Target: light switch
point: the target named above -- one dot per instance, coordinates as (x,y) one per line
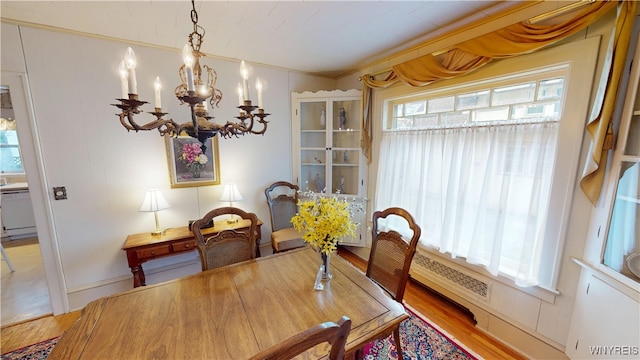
(60,193)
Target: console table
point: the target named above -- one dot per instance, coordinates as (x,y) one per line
(144,246)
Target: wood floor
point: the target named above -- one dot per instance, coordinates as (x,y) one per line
(24,292)
(454,320)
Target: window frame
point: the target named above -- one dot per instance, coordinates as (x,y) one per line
(581,56)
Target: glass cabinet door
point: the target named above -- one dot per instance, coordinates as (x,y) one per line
(345,147)
(313,145)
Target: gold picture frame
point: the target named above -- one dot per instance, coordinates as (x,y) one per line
(187,166)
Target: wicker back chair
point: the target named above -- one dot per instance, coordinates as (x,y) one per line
(334,333)
(228,246)
(282,198)
(390,257)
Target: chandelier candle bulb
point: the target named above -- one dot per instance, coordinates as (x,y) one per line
(245,79)
(130,62)
(240,98)
(124,87)
(187,57)
(259,89)
(156,87)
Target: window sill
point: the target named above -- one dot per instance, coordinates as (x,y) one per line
(614,279)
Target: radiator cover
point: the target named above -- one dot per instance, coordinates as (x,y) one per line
(447,276)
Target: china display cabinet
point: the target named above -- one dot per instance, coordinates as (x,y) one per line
(326,141)
(326,146)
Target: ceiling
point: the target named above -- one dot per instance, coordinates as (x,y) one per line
(327,38)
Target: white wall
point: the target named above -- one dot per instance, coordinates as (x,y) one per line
(73,80)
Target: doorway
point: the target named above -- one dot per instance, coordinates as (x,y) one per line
(25,293)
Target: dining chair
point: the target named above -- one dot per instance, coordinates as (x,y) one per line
(331,332)
(390,256)
(227,246)
(282,198)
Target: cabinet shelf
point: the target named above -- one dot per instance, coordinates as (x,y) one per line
(346,131)
(345,165)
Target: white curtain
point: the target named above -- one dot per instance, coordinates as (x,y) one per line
(477,192)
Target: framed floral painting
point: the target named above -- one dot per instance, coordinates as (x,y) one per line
(189,165)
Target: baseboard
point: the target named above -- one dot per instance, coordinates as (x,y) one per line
(80,296)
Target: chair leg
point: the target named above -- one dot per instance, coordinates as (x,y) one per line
(6,258)
(396,338)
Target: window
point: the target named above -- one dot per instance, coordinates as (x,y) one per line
(487,167)
(10,159)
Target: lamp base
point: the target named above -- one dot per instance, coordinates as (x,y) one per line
(158,232)
(232,221)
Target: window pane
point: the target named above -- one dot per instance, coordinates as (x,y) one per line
(633,137)
(624,229)
(551,89)
(415,108)
(472,100)
(10,161)
(548,111)
(513,94)
(8,137)
(492,114)
(455,117)
(398,110)
(426,121)
(402,123)
(441,104)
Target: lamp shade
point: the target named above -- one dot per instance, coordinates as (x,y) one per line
(154,201)
(231,193)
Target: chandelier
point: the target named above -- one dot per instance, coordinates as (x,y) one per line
(197,87)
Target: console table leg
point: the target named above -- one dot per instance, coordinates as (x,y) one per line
(138,276)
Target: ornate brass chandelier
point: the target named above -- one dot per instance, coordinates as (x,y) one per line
(193,91)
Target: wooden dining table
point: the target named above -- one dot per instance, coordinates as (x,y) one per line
(232,312)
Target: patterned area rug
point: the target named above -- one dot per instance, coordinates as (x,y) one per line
(36,351)
(420,340)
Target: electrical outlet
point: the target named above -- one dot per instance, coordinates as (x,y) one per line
(60,193)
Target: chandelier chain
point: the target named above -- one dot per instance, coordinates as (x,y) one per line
(197,36)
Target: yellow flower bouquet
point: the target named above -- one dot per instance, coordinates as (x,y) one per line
(323,219)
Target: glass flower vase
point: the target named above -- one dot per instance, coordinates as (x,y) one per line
(326,263)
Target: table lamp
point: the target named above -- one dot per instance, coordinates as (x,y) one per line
(154,201)
(231,194)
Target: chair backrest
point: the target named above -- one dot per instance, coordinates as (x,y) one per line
(228,246)
(334,333)
(282,198)
(390,257)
